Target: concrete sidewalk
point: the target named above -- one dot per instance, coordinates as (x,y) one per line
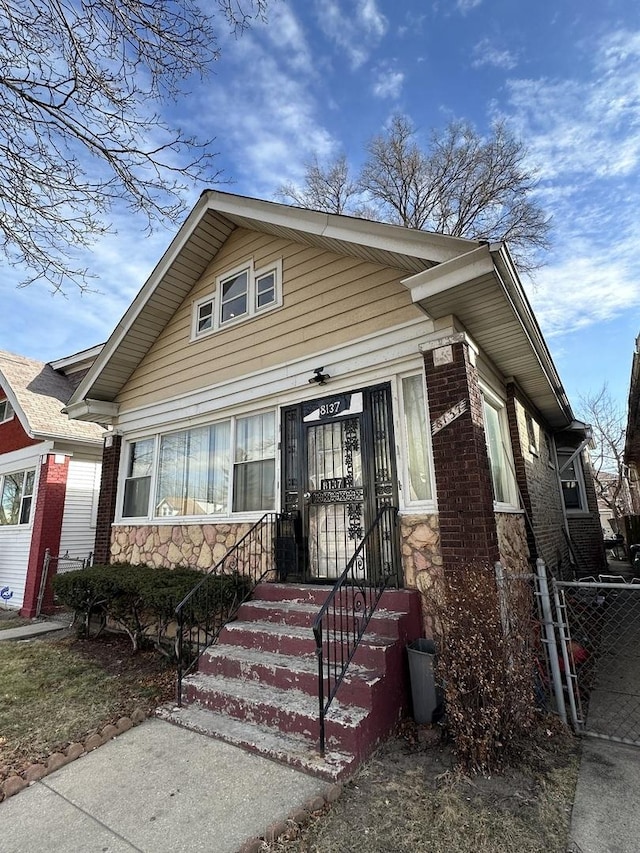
(157,788)
(606,813)
(34,629)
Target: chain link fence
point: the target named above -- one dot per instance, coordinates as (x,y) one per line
(59,565)
(599,628)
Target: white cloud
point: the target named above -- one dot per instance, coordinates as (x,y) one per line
(590,127)
(355,34)
(268,111)
(285,33)
(465,6)
(388,83)
(583,135)
(485,53)
(372,18)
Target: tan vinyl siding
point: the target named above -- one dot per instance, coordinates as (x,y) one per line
(328,300)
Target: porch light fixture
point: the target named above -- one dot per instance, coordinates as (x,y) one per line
(319,377)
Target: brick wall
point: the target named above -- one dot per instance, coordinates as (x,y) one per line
(541,495)
(107,498)
(538,483)
(47,523)
(461,464)
(585,529)
(13,437)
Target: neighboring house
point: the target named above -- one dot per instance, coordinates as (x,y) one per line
(632,449)
(49,473)
(324,367)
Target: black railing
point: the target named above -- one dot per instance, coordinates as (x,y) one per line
(216,599)
(344,616)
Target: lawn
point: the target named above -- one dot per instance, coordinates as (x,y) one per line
(57,691)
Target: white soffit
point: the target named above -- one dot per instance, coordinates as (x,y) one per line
(498,318)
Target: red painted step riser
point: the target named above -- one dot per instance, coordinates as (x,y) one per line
(352,692)
(383,626)
(370,656)
(401,601)
(354,739)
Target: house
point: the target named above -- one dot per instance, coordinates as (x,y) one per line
(325,368)
(632,449)
(49,474)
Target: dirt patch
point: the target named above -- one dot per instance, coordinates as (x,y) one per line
(409,797)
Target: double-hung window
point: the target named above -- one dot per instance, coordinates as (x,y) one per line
(254,463)
(137,485)
(497,437)
(241,293)
(572,481)
(16,497)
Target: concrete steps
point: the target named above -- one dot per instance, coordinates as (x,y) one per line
(258,686)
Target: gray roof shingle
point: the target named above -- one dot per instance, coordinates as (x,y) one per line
(41,392)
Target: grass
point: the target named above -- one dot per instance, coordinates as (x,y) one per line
(10,619)
(54,692)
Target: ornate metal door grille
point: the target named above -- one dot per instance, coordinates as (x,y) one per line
(338,466)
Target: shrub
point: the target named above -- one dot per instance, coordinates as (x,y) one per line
(141,600)
(485,664)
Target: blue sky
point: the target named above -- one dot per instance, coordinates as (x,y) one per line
(323,76)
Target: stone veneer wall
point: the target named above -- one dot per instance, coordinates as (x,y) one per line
(512,543)
(172,545)
(421,558)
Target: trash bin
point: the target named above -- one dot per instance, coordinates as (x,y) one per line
(423,686)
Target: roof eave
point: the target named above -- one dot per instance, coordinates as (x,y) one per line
(449,290)
(94,411)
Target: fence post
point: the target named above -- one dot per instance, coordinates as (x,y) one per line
(550,637)
(43,580)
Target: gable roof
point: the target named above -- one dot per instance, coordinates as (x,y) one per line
(37,393)
(445,275)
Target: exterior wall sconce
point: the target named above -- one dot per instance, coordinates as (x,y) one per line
(319,377)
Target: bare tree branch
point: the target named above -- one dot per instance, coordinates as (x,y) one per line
(608,422)
(81,82)
(327,188)
(461,184)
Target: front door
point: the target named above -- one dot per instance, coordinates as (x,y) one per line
(338,470)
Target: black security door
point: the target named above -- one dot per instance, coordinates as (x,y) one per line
(338,470)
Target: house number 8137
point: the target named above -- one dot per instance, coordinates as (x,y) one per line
(329,408)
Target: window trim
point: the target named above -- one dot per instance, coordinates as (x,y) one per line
(8,413)
(253,310)
(578,469)
(490,398)
(228,514)
(31,496)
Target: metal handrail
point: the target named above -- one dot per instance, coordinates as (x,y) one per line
(209,606)
(345,615)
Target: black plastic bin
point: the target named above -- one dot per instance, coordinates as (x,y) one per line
(424,694)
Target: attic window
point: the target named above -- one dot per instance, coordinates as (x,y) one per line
(6,411)
(241,294)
